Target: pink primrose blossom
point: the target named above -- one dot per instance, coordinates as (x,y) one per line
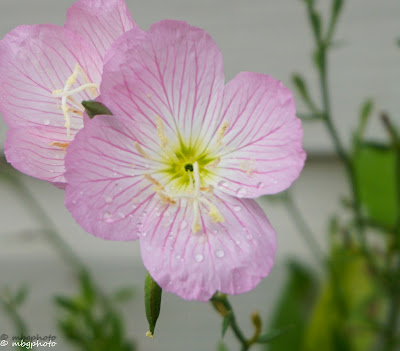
(45,73)
(178,163)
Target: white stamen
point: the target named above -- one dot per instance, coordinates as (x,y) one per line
(66,94)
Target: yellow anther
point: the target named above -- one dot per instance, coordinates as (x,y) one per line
(160,131)
(221,131)
(207,189)
(196,227)
(149,334)
(215,215)
(154,181)
(60,145)
(141,151)
(213,164)
(248,166)
(165,198)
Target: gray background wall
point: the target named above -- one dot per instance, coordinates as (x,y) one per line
(258,35)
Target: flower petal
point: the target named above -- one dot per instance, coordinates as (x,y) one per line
(173,72)
(262,152)
(35,61)
(38,151)
(100,22)
(106,191)
(231,257)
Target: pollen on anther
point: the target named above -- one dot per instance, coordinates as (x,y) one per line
(160,131)
(221,131)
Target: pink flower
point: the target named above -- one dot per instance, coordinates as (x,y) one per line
(45,73)
(177,163)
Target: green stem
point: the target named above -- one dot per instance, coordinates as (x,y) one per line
(227,307)
(304,229)
(51,233)
(16,318)
(49,228)
(392,321)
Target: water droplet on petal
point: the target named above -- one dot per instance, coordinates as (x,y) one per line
(249,237)
(241,192)
(237,242)
(178,257)
(260,185)
(222,184)
(183,225)
(46,122)
(199,257)
(108,217)
(237,208)
(121,215)
(108,199)
(220,253)
(143,233)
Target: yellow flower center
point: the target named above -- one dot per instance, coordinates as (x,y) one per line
(186,173)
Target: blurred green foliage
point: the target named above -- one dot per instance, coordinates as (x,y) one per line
(90,322)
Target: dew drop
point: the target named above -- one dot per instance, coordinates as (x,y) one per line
(222,184)
(144,233)
(199,257)
(220,253)
(241,192)
(237,242)
(46,122)
(183,225)
(121,215)
(260,185)
(108,217)
(108,199)
(178,257)
(249,237)
(237,208)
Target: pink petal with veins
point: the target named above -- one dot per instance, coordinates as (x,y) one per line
(35,61)
(231,257)
(262,148)
(106,191)
(30,150)
(100,22)
(174,71)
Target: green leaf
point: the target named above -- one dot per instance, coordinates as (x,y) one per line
(124,294)
(302,89)
(21,295)
(272,335)
(226,322)
(315,20)
(94,108)
(87,288)
(349,289)
(375,172)
(222,347)
(293,307)
(152,302)
(337,8)
(68,304)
